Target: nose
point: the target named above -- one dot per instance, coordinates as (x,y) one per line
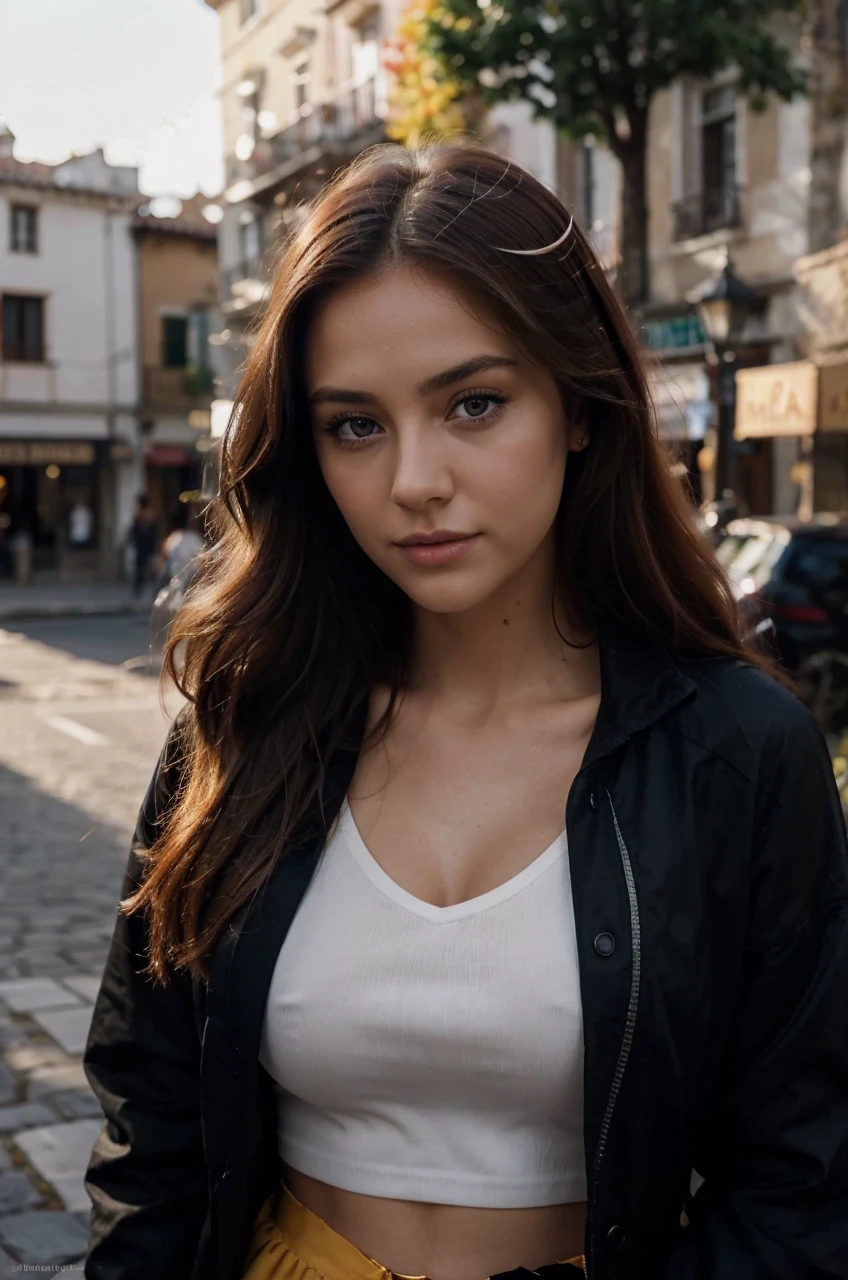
(422,473)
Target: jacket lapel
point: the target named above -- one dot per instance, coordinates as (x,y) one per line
(640,684)
(244,960)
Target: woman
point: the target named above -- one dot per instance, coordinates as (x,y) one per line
(485,888)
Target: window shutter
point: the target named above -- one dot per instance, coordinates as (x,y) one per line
(175,342)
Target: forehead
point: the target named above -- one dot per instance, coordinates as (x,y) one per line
(401,321)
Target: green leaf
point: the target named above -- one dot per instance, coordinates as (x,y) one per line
(603,56)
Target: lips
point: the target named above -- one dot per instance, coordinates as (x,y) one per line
(438,551)
(429,539)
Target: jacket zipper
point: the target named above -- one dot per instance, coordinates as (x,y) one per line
(633,1003)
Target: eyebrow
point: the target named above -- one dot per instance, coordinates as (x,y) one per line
(439,381)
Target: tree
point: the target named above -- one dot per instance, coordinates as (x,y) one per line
(423,100)
(594,66)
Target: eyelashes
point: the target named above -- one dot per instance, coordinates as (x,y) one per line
(495,399)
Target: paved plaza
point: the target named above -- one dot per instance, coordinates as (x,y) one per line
(81,727)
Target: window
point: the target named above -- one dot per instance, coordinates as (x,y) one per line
(719,140)
(365,58)
(199,328)
(250,239)
(249,9)
(201,378)
(250,97)
(301,91)
(175,342)
(586,184)
(23,328)
(23,228)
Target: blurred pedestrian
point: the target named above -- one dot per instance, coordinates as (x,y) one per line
(80,524)
(180,548)
(142,539)
(353,1023)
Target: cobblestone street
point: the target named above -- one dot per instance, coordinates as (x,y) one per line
(81,729)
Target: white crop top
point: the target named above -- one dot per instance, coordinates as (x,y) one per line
(430,1053)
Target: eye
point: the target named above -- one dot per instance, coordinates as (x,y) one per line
(359,429)
(479,405)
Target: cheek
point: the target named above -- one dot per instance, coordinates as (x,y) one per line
(522,479)
(352,488)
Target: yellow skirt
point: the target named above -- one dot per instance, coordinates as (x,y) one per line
(290,1242)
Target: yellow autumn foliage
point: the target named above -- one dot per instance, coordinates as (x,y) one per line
(423,101)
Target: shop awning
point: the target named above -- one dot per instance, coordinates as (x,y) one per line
(166,455)
(777,400)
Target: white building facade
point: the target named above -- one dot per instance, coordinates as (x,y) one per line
(69,381)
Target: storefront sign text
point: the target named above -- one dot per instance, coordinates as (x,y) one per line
(777,400)
(40,453)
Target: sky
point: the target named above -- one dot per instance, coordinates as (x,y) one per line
(136,76)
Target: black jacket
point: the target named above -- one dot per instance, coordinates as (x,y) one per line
(710,880)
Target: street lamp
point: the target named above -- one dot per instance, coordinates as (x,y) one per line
(723,304)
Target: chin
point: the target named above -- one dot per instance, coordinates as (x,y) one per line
(446,596)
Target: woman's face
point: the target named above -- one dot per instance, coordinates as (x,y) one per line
(427,419)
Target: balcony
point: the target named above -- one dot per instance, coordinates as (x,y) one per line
(316,132)
(716,209)
(245,284)
(177,389)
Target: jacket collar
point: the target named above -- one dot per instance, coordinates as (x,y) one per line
(640,683)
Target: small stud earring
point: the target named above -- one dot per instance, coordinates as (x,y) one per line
(580,442)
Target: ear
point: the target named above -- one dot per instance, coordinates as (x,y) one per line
(579,436)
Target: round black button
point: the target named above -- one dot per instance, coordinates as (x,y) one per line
(605,944)
(616,1237)
(593,804)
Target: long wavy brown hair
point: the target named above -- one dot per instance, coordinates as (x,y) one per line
(290,625)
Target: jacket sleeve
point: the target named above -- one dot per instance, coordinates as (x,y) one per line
(147,1177)
(774,1143)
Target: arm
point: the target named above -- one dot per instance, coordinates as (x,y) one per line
(147,1176)
(774,1144)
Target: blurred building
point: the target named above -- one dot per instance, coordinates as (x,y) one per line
(69,451)
(303,91)
(822,273)
(178,311)
(764,189)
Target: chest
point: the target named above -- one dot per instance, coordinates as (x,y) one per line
(452,811)
(422,1002)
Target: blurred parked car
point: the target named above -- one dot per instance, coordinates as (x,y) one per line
(714,517)
(795,574)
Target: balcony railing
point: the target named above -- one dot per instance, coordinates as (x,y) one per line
(334,126)
(246,280)
(177,387)
(716,209)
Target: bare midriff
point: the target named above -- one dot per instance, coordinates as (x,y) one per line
(443,1241)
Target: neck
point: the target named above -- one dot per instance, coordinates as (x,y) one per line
(515,645)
